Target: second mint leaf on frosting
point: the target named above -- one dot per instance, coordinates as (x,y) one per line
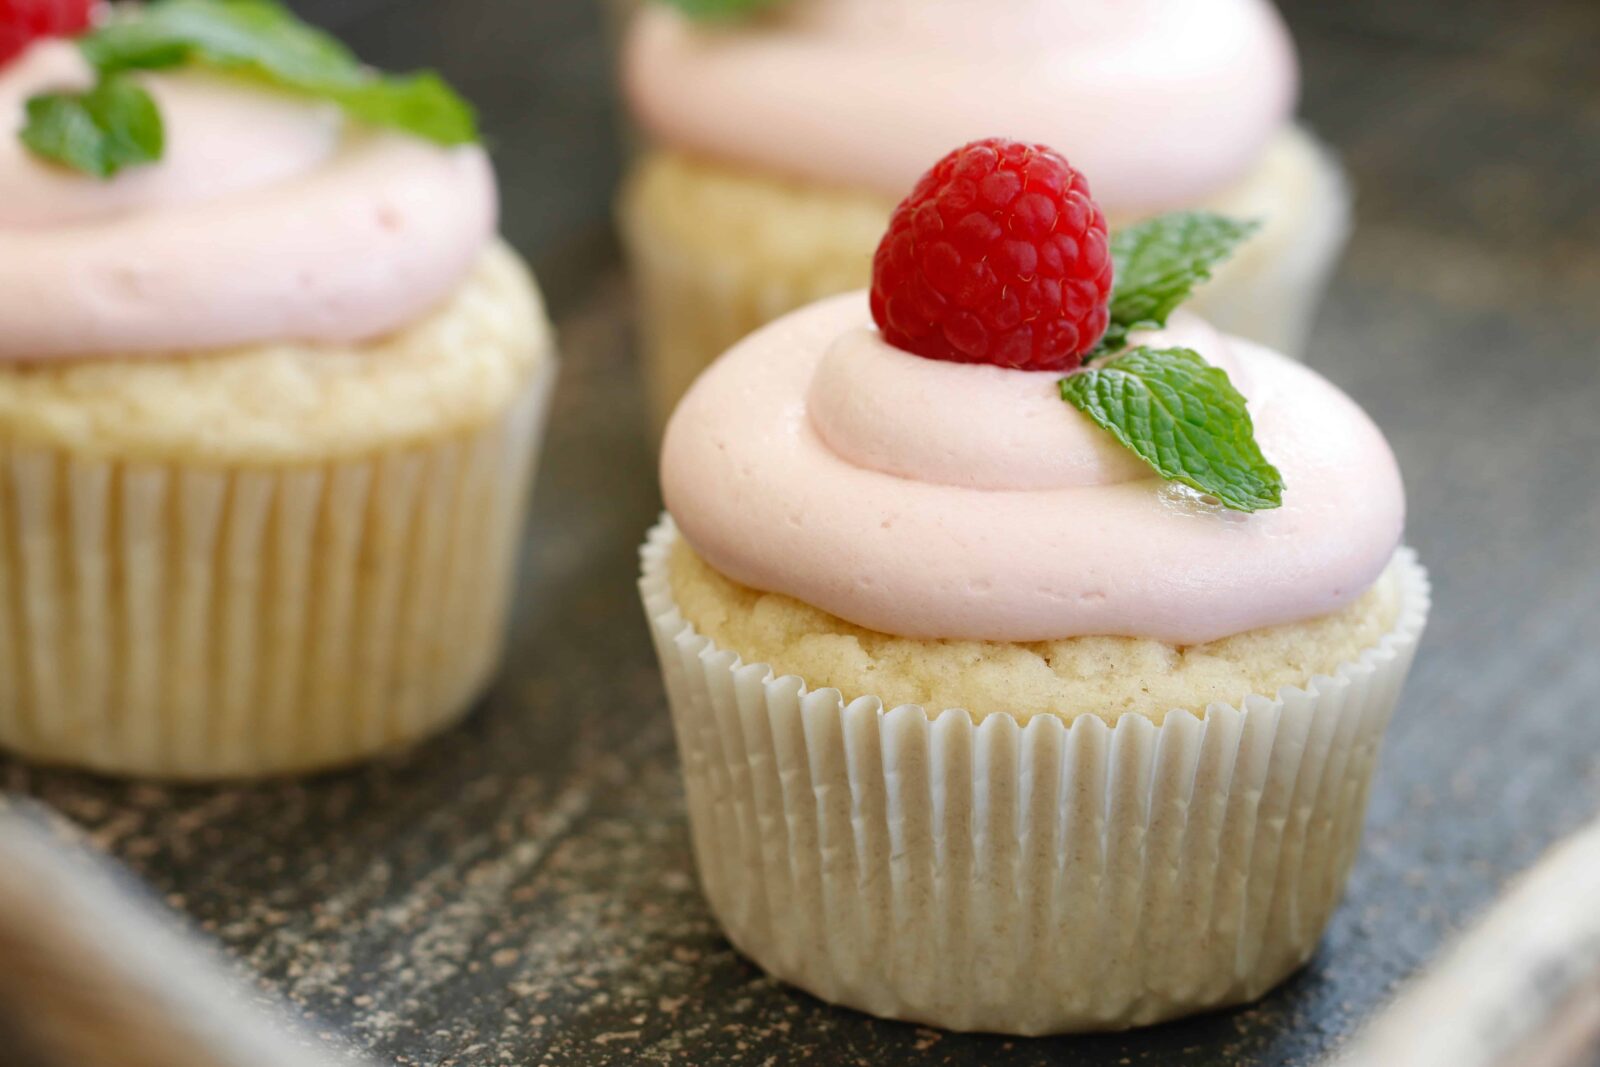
(101,131)
(1159,263)
(1184,418)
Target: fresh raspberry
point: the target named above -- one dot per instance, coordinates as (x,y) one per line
(24,21)
(998,256)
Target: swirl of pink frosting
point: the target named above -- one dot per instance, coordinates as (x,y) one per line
(1162,101)
(268,219)
(947,500)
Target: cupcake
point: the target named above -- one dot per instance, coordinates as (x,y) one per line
(781,139)
(1015,694)
(270,395)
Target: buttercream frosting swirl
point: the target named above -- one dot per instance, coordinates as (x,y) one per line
(1163,101)
(946,500)
(269,218)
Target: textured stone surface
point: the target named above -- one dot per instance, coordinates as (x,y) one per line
(520,891)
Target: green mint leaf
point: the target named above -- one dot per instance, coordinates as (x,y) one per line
(721,9)
(421,104)
(262,39)
(1183,417)
(1160,262)
(256,35)
(112,126)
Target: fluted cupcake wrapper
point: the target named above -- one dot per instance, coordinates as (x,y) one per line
(1022,877)
(190,621)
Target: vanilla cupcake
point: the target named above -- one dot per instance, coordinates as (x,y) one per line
(780,141)
(270,398)
(985,722)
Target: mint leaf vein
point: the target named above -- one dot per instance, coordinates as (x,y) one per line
(1184,418)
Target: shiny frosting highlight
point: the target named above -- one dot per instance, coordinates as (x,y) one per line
(946,500)
(269,219)
(1163,102)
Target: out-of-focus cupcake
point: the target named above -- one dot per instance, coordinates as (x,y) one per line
(1012,701)
(270,395)
(781,139)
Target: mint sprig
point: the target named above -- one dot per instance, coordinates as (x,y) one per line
(421,104)
(1169,406)
(1184,418)
(256,39)
(712,10)
(101,131)
(1160,262)
(259,37)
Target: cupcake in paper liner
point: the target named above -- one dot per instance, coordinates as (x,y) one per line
(270,396)
(997,709)
(779,142)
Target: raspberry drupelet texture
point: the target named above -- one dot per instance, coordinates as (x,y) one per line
(998,256)
(24,21)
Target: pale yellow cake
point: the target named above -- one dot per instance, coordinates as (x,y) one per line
(1104,676)
(453,371)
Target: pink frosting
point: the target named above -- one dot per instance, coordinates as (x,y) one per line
(946,500)
(267,220)
(1160,102)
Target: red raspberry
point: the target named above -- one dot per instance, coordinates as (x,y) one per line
(998,256)
(24,21)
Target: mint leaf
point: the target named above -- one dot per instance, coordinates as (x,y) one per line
(1159,263)
(262,39)
(112,126)
(258,36)
(421,104)
(116,124)
(721,9)
(1183,417)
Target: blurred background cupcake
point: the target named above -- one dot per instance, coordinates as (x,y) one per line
(270,391)
(781,135)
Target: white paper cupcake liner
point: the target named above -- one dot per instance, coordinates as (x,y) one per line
(1022,877)
(191,621)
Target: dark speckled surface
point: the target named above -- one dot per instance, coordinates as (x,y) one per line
(520,892)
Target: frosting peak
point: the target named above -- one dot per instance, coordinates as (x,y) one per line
(269,218)
(971,424)
(944,500)
(1162,102)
